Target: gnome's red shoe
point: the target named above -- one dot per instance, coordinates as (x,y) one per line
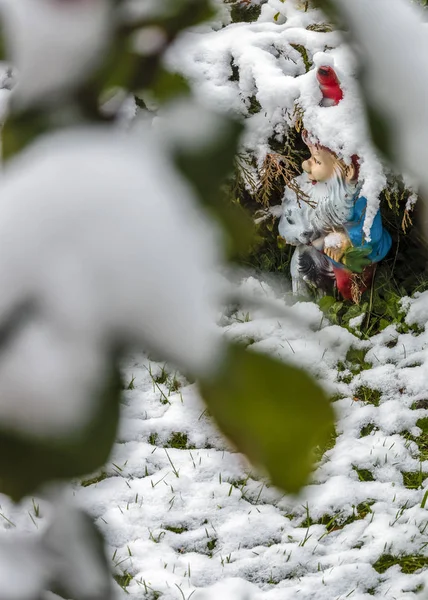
(352,285)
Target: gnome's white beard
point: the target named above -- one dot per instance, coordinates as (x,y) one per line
(333,201)
(328,206)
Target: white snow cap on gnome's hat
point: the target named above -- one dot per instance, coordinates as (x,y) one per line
(343,128)
(322,59)
(53,44)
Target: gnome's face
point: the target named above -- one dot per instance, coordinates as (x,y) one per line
(323,165)
(320,167)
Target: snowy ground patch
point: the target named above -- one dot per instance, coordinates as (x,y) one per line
(182,512)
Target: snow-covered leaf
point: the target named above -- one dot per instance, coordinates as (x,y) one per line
(144,32)
(20,129)
(111,252)
(23,573)
(207,163)
(203,144)
(53,44)
(169,85)
(27,463)
(272,412)
(77,561)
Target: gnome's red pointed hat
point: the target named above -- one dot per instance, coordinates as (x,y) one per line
(329,86)
(332,94)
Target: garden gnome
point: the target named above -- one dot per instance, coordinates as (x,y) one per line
(326,222)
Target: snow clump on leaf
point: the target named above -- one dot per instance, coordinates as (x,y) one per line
(53,44)
(110,251)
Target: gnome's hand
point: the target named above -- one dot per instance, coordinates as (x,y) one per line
(336,244)
(334,253)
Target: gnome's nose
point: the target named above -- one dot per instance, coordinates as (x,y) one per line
(306,166)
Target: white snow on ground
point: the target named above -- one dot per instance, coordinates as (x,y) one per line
(179,519)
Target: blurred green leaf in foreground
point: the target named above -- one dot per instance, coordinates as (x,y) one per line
(272,412)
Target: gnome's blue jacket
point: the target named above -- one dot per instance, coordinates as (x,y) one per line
(380,239)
